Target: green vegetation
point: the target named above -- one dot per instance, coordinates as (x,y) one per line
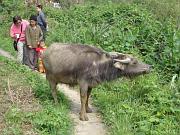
(142,106)
(30,103)
(147,105)
(123,28)
(148,29)
(163,9)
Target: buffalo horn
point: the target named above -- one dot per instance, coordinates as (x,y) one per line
(116,53)
(125,61)
(113,53)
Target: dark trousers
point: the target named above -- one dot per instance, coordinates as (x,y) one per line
(30,57)
(44,32)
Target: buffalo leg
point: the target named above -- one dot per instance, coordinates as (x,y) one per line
(54,91)
(83,96)
(88,110)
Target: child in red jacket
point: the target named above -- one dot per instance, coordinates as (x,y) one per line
(40,51)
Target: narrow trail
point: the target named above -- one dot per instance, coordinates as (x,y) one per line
(6,54)
(92,127)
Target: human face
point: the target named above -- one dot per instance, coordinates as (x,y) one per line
(42,44)
(32,23)
(18,23)
(38,9)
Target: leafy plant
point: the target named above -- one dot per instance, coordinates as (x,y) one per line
(122,28)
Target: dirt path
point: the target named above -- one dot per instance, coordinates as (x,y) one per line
(94,126)
(6,54)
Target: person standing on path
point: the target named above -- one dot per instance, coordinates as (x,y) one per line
(17,33)
(41,20)
(34,37)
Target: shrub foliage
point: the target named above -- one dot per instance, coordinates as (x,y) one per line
(123,28)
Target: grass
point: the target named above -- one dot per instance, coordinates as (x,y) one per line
(163,9)
(139,106)
(27,103)
(6,43)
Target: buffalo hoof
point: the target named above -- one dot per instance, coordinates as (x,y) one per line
(88,110)
(84,118)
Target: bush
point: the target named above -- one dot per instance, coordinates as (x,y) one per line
(123,28)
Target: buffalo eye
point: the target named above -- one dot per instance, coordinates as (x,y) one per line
(135,62)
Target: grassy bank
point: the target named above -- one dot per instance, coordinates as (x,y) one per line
(140,106)
(163,9)
(27,105)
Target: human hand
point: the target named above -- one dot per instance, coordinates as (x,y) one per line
(29,46)
(17,36)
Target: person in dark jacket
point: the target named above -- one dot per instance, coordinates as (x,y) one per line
(41,20)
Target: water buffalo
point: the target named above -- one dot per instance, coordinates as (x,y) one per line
(87,66)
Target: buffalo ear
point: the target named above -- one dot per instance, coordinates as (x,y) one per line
(119,65)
